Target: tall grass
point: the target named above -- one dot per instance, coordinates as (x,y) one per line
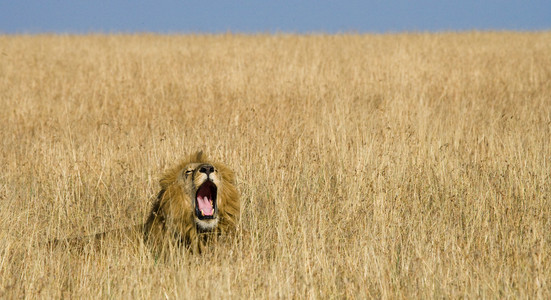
(384,166)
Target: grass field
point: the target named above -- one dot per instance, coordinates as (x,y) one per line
(370,166)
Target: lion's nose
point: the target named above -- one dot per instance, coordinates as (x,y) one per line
(207,169)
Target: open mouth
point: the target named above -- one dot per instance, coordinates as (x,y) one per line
(205,200)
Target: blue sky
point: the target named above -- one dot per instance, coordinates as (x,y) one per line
(308,16)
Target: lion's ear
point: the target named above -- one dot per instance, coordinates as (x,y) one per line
(200,156)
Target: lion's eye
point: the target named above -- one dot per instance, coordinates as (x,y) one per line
(188,172)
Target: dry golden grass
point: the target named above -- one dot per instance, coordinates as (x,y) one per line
(384,166)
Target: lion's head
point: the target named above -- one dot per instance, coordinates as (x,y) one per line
(197,196)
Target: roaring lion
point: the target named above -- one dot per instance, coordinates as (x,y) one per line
(198,202)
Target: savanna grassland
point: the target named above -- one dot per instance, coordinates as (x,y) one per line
(370,166)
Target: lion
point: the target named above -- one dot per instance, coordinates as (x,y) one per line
(198,202)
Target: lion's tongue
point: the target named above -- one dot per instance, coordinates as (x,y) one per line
(205,206)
